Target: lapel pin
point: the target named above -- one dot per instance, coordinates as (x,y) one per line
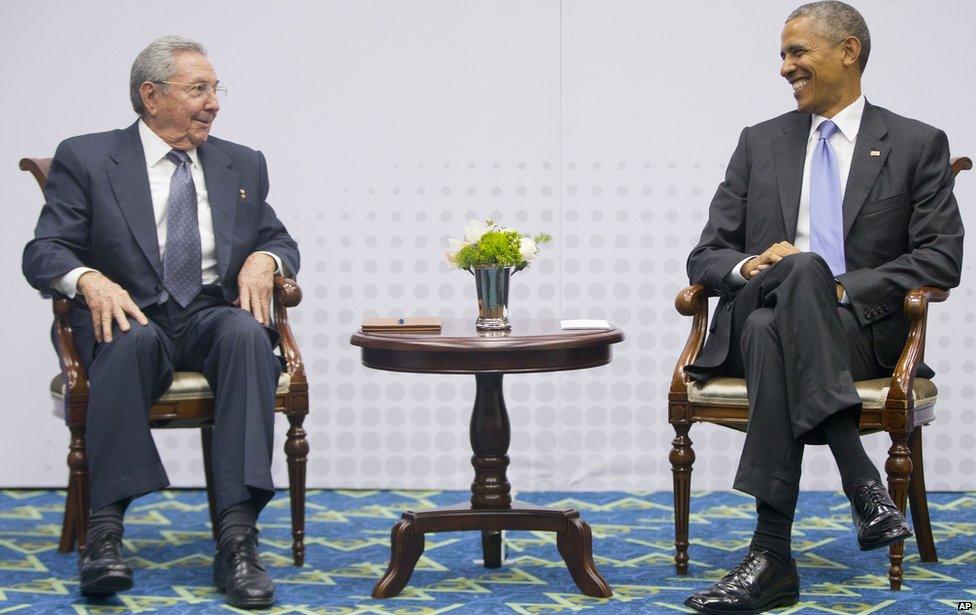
(874,152)
(243,193)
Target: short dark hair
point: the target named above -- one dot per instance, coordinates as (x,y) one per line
(837,21)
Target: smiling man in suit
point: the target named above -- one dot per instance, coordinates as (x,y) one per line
(827,217)
(162,235)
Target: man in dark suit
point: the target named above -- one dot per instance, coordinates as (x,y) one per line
(164,238)
(827,217)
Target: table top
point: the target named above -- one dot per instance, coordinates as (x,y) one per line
(532,345)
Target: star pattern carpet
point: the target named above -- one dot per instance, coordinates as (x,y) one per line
(168,543)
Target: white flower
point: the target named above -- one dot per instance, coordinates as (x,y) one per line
(474,229)
(453,247)
(527,248)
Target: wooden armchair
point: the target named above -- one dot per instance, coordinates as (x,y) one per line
(187,403)
(899,405)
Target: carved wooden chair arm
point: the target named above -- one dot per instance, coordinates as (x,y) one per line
(691,301)
(73,370)
(915,307)
(288,294)
(286,291)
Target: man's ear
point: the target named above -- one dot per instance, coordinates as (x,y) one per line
(149,92)
(852,50)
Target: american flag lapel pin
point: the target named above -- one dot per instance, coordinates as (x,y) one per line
(874,152)
(243,193)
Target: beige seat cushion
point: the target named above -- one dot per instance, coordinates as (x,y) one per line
(732,392)
(186,385)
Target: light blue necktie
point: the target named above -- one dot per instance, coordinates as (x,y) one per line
(826,204)
(182,272)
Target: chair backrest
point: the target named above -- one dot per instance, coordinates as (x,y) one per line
(962,163)
(39,168)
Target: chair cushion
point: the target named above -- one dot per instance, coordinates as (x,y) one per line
(725,391)
(186,385)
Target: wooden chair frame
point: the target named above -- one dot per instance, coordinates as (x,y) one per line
(197,412)
(901,418)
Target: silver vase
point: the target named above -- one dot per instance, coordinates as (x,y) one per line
(492,285)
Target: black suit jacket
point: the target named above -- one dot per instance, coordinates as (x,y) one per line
(98,213)
(902,227)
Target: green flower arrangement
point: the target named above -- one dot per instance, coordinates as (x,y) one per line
(487,244)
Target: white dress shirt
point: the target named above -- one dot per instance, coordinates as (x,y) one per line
(848,122)
(160,170)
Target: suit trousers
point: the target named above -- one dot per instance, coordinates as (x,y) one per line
(800,352)
(236,355)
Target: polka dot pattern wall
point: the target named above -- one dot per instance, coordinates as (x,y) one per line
(607,124)
(584,124)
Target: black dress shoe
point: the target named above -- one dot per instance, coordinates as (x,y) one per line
(756,584)
(101,570)
(238,573)
(878,521)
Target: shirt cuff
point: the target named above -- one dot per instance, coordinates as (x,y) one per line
(68,283)
(280,269)
(735,277)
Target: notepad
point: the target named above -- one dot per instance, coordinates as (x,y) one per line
(412,324)
(584,323)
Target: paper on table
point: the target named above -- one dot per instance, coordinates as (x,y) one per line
(584,323)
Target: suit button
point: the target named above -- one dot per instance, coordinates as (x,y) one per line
(156,289)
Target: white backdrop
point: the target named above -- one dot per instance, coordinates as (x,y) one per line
(386,124)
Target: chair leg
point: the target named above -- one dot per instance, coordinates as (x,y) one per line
(682,457)
(68,527)
(78,463)
(206,440)
(296,449)
(899,469)
(918,502)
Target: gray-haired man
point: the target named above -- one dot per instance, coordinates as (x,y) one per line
(827,216)
(164,237)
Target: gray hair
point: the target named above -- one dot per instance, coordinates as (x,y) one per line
(836,21)
(156,63)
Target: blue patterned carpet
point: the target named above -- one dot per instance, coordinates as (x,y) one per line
(169,546)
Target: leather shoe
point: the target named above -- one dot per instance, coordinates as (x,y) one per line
(238,573)
(758,583)
(878,521)
(101,570)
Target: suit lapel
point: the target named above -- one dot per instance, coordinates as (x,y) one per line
(865,165)
(790,151)
(130,184)
(222,191)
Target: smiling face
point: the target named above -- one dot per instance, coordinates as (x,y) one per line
(180,115)
(824,74)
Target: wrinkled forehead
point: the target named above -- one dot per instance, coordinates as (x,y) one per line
(193,67)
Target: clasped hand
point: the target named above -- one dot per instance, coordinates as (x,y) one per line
(774,254)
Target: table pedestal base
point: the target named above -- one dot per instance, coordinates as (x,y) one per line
(573,539)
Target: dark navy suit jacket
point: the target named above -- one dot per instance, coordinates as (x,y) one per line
(902,228)
(98,213)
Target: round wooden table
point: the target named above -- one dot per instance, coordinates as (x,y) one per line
(531,346)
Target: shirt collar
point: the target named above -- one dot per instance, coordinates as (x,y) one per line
(848,120)
(156,149)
